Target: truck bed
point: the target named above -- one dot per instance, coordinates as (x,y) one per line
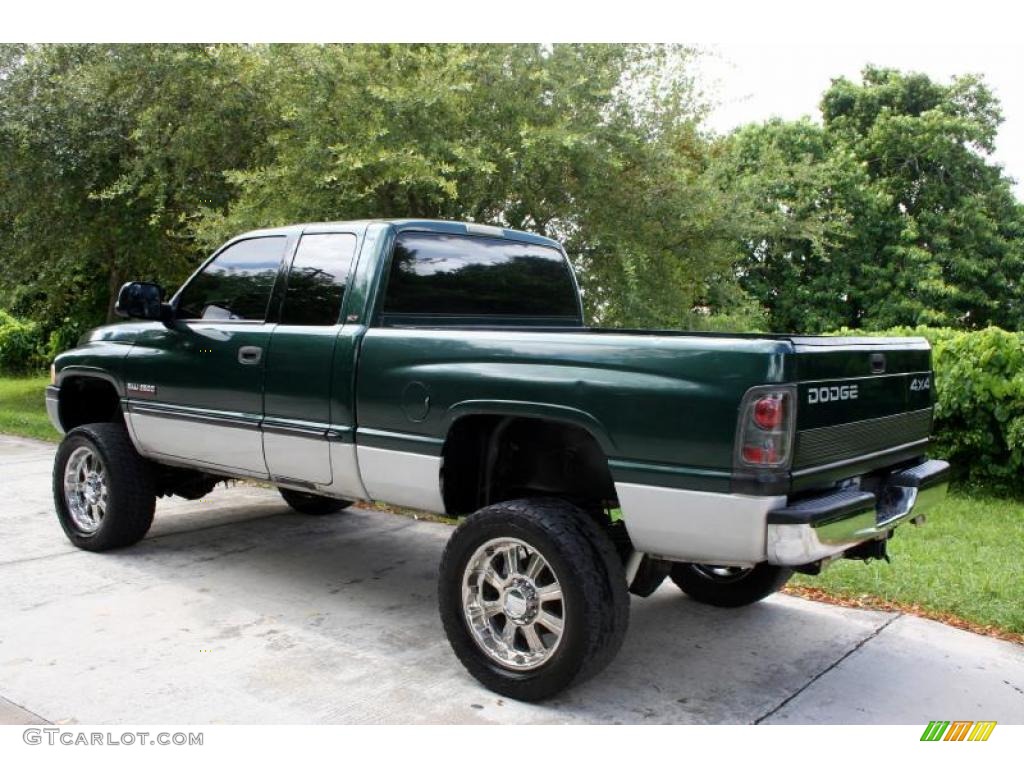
(663,404)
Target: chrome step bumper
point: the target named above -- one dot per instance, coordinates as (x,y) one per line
(824,526)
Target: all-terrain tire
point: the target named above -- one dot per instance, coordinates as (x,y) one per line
(311,504)
(581,557)
(742,586)
(127,489)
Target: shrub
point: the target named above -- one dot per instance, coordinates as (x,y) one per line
(979,411)
(63,337)
(979,404)
(21,348)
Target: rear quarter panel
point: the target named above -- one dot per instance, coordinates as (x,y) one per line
(663,407)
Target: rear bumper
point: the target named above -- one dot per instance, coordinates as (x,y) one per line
(823,526)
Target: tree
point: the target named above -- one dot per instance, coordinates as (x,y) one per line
(889,213)
(122,162)
(107,152)
(131,162)
(596,145)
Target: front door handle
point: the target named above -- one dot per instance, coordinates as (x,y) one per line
(249,355)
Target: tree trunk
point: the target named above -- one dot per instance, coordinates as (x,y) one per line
(113,287)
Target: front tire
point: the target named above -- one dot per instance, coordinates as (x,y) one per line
(532,597)
(311,504)
(103,490)
(729,587)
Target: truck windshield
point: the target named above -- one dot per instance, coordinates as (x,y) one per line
(478,279)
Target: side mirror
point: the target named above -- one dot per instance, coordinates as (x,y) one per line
(143,301)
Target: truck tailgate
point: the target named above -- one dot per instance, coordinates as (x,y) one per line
(862,403)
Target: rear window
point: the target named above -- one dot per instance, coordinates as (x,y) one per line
(479,277)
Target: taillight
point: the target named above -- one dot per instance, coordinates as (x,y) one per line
(764,436)
(769,410)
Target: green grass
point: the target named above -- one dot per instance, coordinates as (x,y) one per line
(23,408)
(967,560)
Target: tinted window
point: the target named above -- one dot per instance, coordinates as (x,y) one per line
(452,275)
(316,281)
(236,285)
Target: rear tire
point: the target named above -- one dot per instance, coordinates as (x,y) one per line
(532,597)
(729,587)
(103,490)
(311,504)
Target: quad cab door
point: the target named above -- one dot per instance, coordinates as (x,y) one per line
(195,390)
(307,433)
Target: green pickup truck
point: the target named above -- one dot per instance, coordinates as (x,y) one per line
(446,366)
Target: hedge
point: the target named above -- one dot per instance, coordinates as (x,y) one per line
(21,345)
(979,404)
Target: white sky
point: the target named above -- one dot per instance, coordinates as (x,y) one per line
(755,82)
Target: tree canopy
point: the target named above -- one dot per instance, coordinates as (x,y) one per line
(123,162)
(107,153)
(890,212)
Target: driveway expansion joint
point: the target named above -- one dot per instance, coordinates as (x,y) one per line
(25,716)
(860,644)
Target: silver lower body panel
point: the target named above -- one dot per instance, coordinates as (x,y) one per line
(696,526)
(401,478)
(740,530)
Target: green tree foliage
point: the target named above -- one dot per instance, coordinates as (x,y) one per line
(133,162)
(889,212)
(106,153)
(130,162)
(596,145)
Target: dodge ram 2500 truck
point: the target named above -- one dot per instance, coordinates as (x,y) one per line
(446,366)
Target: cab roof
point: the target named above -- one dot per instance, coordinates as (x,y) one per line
(420,225)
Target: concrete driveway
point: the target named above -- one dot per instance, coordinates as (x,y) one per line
(237,610)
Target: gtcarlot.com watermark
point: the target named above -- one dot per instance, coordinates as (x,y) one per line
(74,738)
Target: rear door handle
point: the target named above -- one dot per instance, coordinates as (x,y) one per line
(249,355)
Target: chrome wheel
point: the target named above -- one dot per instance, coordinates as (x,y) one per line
(513,604)
(721,573)
(85,489)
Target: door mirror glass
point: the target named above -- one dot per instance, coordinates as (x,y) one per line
(142,301)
